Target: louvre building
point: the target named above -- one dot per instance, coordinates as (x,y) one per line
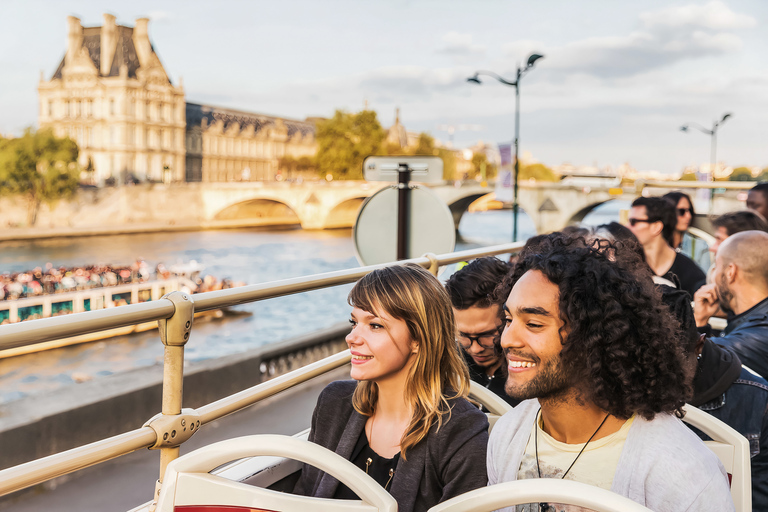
(112,96)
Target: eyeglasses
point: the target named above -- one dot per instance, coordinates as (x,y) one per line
(683,211)
(485,340)
(632,222)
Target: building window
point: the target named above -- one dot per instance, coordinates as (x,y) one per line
(76,112)
(89,136)
(148,111)
(113,135)
(50,108)
(173,113)
(133,107)
(132,135)
(89,108)
(111,107)
(161,111)
(66,108)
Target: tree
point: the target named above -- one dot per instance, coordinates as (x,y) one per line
(741,174)
(688,175)
(345,140)
(40,167)
(480,160)
(539,172)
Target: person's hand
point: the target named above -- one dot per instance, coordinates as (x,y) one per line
(705,304)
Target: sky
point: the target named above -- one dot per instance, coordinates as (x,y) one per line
(617,80)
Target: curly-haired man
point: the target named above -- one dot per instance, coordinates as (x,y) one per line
(598,361)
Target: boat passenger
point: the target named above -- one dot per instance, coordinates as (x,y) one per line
(757,199)
(479,321)
(727,390)
(597,360)
(652,220)
(740,288)
(685,213)
(404,419)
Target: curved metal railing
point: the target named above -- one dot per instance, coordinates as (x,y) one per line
(173,312)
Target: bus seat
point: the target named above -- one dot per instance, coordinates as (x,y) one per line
(539,490)
(733,451)
(490,400)
(188,485)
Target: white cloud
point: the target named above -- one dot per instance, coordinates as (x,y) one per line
(714,16)
(460,46)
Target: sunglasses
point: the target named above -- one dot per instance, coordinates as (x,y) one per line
(632,222)
(683,211)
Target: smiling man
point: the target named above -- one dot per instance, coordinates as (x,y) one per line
(593,353)
(479,323)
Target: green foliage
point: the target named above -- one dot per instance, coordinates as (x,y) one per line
(480,161)
(688,176)
(290,164)
(741,174)
(40,167)
(345,140)
(539,172)
(763,176)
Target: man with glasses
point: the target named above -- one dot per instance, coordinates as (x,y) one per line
(478,321)
(652,220)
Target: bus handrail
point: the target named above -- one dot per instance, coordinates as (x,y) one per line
(46,329)
(26,333)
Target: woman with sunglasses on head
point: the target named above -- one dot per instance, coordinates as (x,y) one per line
(681,240)
(404,419)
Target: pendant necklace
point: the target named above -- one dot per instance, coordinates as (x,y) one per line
(369,460)
(546,507)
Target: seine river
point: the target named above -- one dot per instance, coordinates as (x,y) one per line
(252,256)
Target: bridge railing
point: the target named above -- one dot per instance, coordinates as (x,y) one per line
(174,312)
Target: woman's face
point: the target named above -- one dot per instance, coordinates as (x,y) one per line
(684,220)
(381,346)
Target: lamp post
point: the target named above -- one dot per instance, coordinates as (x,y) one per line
(712,147)
(516,84)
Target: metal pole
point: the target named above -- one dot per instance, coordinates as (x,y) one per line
(713,159)
(517,162)
(403,199)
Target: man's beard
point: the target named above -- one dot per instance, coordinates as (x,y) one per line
(550,382)
(724,295)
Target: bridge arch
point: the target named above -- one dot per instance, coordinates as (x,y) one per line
(344,214)
(268,211)
(579,216)
(460,206)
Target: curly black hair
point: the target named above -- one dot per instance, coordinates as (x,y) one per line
(620,342)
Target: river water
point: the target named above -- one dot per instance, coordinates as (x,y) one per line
(251,256)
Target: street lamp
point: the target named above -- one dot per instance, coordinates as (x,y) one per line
(516,84)
(712,145)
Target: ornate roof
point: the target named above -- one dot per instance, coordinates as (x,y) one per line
(197,113)
(125,52)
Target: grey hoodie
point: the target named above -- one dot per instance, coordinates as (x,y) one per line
(663,465)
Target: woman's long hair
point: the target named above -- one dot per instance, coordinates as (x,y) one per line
(410,293)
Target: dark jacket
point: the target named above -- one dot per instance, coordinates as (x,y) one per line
(494,383)
(738,397)
(448,462)
(747,335)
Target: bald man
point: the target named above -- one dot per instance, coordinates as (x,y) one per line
(740,285)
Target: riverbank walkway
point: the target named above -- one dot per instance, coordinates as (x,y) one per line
(129,481)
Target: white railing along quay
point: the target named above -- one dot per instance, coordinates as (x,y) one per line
(174,313)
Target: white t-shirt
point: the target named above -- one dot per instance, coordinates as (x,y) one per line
(595,466)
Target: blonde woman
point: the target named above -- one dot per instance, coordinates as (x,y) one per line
(404,419)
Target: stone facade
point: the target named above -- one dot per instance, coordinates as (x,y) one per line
(112,96)
(231,145)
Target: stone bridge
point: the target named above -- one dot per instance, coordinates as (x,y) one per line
(322,205)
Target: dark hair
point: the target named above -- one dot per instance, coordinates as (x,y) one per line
(661,210)
(762,188)
(679,304)
(622,236)
(676,196)
(619,341)
(472,285)
(736,222)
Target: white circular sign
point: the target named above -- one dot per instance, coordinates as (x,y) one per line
(430,226)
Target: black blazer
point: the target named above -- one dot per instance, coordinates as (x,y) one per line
(446,463)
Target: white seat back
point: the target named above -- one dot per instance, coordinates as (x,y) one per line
(539,490)
(491,401)
(187,482)
(732,449)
